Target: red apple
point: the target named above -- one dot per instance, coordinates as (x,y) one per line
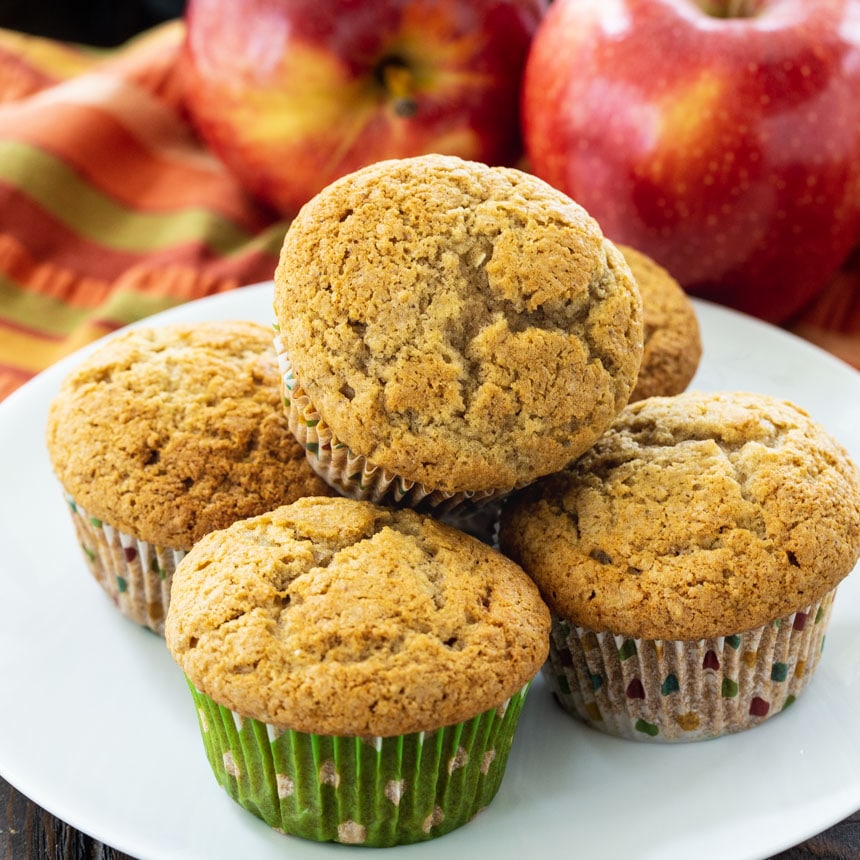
(720,138)
(292,94)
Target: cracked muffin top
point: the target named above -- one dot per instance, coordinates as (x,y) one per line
(463,326)
(698,515)
(169,432)
(337,616)
(673,344)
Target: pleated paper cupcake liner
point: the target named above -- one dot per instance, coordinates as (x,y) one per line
(135,574)
(360,790)
(352,474)
(654,690)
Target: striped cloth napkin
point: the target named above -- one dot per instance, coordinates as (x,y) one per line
(112,209)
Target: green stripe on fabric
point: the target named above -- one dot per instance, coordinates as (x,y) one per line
(268,241)
(49,316)
(37,312)
(69,198)
(125,307)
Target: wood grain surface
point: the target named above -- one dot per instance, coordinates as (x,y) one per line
(27,832)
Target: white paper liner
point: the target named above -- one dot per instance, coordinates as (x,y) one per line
(352,474)
(135,574)
(666,691)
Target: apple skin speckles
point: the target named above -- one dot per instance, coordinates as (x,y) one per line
(727,149)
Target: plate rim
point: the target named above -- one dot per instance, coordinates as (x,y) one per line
(35,390)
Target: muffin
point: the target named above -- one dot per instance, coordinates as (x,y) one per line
(162,435)
(450,331)
(690,560)
(358,671)
(673,344)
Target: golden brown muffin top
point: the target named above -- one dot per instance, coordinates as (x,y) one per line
(696,515)
(336,616)
(464,326)
(169,432)
(673,345)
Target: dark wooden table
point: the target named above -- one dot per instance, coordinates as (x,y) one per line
(29,833)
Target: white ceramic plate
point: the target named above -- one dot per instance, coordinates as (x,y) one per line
(97,726)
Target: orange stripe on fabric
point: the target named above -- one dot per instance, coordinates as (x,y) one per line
(151,60)
(42,255)
(46,277)
(138,294)
(154,124)
(47,238)
(50,57)
(118,163)
(178,281)
(183,281)
(246,269)
(31,352)
(11,378)
(29,64)
(65,195)
(18,80)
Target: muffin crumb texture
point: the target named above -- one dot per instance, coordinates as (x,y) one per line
(462,326)
(699,515)
(170,432)
(339,617)
(672,339)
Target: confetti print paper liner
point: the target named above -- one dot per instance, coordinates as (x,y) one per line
(653,690)
(369,791)
(351,474)
(136,575)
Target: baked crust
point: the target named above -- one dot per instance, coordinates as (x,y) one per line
(698,515)
(170,432)
(673,343)
(463,326)
(335,616)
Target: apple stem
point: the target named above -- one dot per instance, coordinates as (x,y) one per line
(731,8)
(399,83)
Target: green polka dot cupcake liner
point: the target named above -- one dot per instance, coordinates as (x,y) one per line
(372,791)
(671,691)
(135,574)
(353,475)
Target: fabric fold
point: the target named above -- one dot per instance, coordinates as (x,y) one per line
(111,207)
